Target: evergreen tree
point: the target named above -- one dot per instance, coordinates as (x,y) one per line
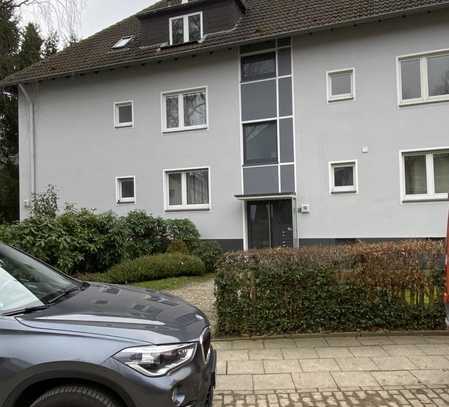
(17,51)
(31,47)
(9,46)
(51,44)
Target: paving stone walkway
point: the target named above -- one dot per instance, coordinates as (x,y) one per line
(334,371)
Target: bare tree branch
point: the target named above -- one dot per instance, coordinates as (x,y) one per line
(63,16)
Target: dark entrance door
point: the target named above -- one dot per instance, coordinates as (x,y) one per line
(270,224)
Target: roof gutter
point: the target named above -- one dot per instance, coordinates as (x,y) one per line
(32,129)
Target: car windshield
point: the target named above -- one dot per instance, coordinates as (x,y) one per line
(27,283)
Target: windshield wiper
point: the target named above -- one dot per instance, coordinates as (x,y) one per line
(63,294)
(27,310)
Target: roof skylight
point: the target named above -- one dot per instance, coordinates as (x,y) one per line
(122,42)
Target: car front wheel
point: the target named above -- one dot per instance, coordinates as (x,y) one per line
(75,396)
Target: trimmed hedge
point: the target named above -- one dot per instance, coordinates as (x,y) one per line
(149,268)
(343,288)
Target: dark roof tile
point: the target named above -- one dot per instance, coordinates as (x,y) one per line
(263,19)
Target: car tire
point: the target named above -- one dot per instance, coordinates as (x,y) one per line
(75,396)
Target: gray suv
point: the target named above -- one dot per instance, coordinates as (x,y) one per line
(64,343)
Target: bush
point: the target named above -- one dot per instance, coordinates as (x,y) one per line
(343,288)
(210,252)
(178,246)
(149,268)
(45,204)
(145,234)
(183,229)
(73,242)
(82,241)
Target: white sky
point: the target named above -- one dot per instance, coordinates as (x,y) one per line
(100,14)
(97,14)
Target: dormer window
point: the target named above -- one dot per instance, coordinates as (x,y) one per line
(187,28)
(122,42)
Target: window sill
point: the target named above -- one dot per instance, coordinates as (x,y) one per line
(340,98)
(415,102)
(126,202)
(338,192)
(180,130)
(189,209)
(421,200)
(124,125)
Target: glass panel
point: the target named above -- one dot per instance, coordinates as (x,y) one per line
(195,27)
(344,176)
(281,224)
(341,83)
(260,143)
(259,234)
(177,29)
(125,114)
(438,67)
(441,166)
(257,67)
(127,188)
(172,107)
(175,189)
(411,78)
(415,175)
(197,187)
(195,109)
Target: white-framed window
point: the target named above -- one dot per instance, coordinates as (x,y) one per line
(187,189)
(186,28)
(185,110)
(340,84)
(124,114)
(423,78)
(425,174)
(343,176)
(125,189)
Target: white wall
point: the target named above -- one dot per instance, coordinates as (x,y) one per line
(79,150)
(338,131)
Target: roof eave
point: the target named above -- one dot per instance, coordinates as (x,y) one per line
(417,10)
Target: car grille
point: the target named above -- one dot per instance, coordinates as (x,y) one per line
(205,342)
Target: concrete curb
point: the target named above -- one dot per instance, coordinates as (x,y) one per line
(334,334)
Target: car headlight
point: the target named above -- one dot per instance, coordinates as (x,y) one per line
(157,360)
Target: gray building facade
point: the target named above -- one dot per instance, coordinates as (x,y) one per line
(335,135)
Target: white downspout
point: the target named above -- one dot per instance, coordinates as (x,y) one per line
(32,141)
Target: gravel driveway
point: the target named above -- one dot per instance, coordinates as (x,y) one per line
(201,295)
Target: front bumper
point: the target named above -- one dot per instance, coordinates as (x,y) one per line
(190,386)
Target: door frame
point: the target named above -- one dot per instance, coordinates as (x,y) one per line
(246,198)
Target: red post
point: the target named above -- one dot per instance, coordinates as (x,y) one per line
(446,267)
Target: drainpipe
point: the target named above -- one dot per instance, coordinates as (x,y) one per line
(32,141)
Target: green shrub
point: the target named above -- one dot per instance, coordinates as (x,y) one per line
(183,229)
(342,288)
(45,204)
(145,234)
(178,246)
(76,241)
(149,268)
(210,252)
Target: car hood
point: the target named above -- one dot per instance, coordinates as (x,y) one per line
(139,315)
